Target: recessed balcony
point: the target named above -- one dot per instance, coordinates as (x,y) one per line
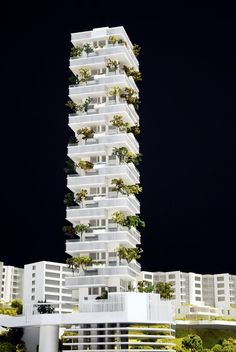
(102,145)
(100,86)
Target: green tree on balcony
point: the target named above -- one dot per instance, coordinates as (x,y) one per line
(114,91)
(119,186)
(70,167)
(72,140)
(72,105)
(88,48)
(84,74)
(117,121)
(133,129)
(112,65)
(76,51)
(131,72)
(74,79)
(118,218)
(112,39)
(136,49)
(75,263)
(165,289)
(81,195)
(69,199)
(131,97)
(85,165)
(126,156)
(69,230)
(128,254)
(80,229)
(128,221)
(87,132)
(83,107)
(145,286)
(133,221)
(86,104)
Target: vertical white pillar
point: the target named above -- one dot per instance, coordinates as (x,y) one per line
(48,338)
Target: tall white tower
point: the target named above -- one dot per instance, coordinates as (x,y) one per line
(104,185)
(104,84)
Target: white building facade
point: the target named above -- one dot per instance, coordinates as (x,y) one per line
(199,294)
(11,282)
(110,94)
(46,281)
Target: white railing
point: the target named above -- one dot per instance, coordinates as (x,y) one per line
(97,174)
(97,244)
(86,149)
(125,202)
(120,169)
(109,50)
(74,213)
(85,246)
(85,281)
(108,305)
(106,108)
(103,141)
(103,83)
(81,35)
(100,275)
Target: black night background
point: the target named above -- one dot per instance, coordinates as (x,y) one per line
(188,129)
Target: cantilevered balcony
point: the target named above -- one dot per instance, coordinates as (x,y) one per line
(99,58)
(102,208)
(101,242)
(103,34)
(103,113)
(100,55)
(103,177)
(80,281)
(103,144)
(100,87)
(102,168)
(100,276)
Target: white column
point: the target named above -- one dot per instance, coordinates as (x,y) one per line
(48,338)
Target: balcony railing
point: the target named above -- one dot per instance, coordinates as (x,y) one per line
(106,108)
(122,203)
(100,276)
(107,50)
(100,241)
(101,142)
(102,84)
(108,78)
(86,281)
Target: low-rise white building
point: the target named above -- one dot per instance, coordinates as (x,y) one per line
(11,282)
(199,294)
(46,281)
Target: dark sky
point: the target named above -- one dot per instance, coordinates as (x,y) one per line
(188,92)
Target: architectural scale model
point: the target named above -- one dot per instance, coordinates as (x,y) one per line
(104,180)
